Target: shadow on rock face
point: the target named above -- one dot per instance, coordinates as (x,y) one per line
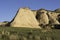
(57,26)
(59,18)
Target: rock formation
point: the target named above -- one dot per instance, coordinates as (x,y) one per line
(34,12)
(24,18)
(53,16)
(47,18)
(35,18)
(42,17)
(57,10)
(2,24)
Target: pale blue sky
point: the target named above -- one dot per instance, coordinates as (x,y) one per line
(8,8)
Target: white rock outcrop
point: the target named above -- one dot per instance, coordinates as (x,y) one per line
(25,18)
(35,18)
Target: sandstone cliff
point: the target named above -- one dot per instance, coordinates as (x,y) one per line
(25,18)
(35,18)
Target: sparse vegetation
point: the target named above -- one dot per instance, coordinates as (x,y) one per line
(29,34)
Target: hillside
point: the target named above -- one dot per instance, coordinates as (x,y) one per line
(41,18)
(11,33)
(30,24)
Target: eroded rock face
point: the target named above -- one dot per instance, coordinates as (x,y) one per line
(34,12)
(42,17)
(53,17)
(46,17)
(35,18)
(25,18)
(57,10)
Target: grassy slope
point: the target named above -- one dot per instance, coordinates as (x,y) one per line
(53,34)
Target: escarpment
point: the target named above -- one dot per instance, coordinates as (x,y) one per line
(25,18)
(35,18)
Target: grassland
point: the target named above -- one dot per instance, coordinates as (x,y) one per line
(11,33)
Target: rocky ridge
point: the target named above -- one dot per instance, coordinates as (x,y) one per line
(35,18)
